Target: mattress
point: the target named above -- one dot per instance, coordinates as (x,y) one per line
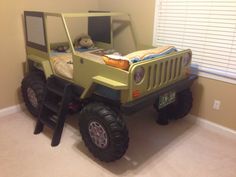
(63,64)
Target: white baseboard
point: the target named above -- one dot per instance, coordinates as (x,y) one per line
(11,110)
(213,126)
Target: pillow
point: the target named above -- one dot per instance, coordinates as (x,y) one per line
(117,61)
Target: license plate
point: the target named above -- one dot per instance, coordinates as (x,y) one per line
(166,99)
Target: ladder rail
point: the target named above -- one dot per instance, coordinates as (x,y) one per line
(54,116)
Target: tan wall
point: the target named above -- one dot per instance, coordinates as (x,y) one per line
(12,44)
(141,13)
(205,90)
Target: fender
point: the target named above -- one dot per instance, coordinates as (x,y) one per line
(41,64)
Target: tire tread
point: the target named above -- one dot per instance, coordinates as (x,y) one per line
(116,129)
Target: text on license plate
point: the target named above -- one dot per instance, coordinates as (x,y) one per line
(166,99)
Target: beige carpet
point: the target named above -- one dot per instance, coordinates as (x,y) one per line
(181,149)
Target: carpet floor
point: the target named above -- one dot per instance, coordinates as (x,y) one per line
(181,149)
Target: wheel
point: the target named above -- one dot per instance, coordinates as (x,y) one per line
(179,109)
(183,104)
(163,117)
(103,132)
(32,88)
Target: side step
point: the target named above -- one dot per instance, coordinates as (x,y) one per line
(58,94)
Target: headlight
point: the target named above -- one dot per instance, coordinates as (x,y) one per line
(187,59)
(139,74)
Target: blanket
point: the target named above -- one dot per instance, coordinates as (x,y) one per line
(123,62)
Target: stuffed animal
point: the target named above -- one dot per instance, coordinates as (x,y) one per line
(62,48)
(84,41)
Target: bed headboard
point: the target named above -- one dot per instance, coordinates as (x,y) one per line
(100,30)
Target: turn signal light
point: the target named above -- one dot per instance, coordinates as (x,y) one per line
(187,71)
(136,93)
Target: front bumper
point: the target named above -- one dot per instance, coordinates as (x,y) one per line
(134,106)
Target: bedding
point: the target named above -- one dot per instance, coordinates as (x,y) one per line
(62,62)
(63,65)
(123,62)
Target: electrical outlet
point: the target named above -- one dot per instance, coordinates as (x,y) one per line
(216,104)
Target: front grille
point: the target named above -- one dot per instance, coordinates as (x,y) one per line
(162,73)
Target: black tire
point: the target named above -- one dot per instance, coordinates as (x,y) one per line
(35,82)
(163,117)
(115,129)
(179,109)
(183,104)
